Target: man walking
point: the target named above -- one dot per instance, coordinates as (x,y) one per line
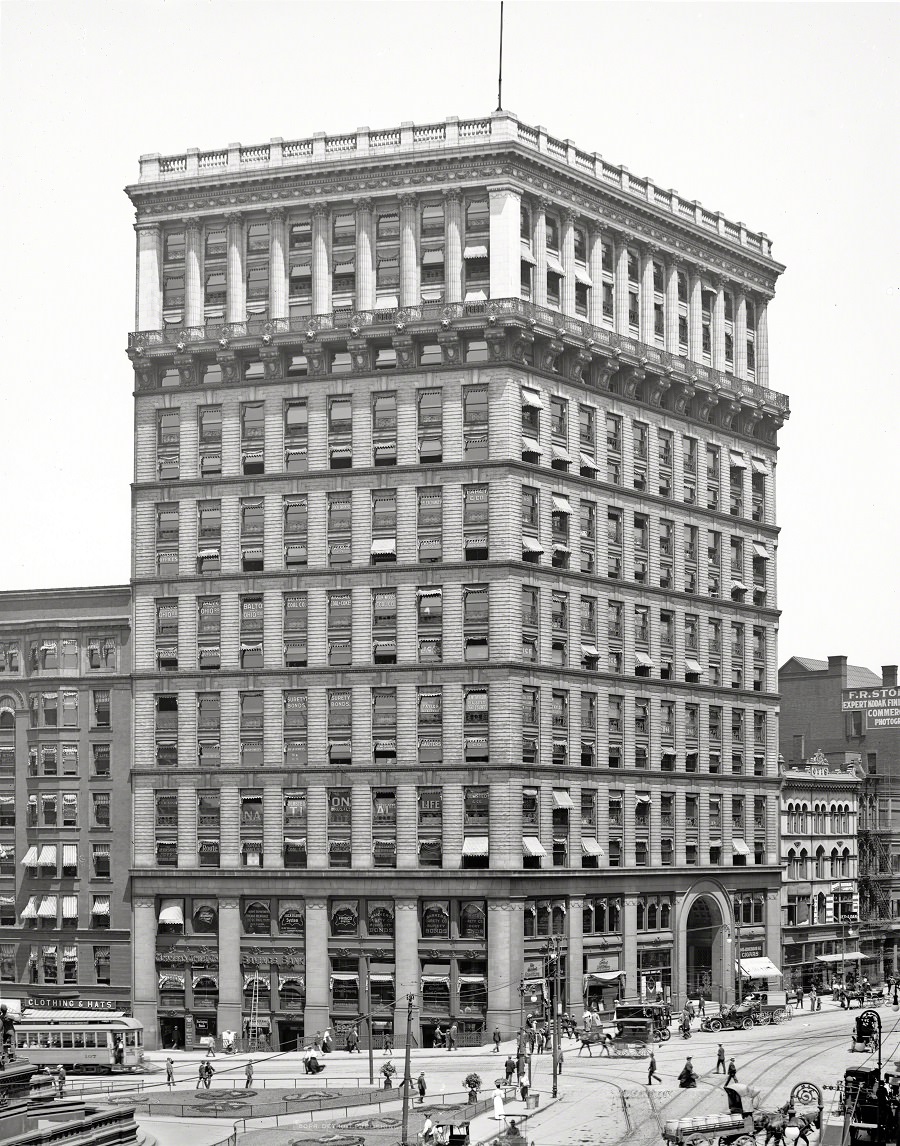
(720,1060)
(421,1086)
(170,1073)
(510,1067)
(497,1038)
(731,1076)
(451,1036)
(248,1076)
(651,1070)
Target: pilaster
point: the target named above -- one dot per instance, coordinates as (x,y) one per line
(409,260)
(539,249)
(718,328)
(505,248)
(148,312)
(406,963)
(453,239)
(235,286)
(695,318)
(622,287)
(648,332)
(193,281)
(740,336)
(567,250)
(505,949)
(321,271)
(228,1013)
(316,1015)
(595,269)
(762,343)
(145,979)
(672,307)
(278,271)
(575,1002)
(365,255)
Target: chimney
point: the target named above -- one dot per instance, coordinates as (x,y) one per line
(837,666)
(889,676)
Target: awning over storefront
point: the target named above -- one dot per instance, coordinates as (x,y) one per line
(601,977)
(759,968)
(847,957)
(475,846)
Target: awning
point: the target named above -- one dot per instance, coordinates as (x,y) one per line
(475,846)
(643,659)
(562,799)
(533,847)
(343,977)
(848,956)
(739,585)
(172,911)
(291,979)
(590,847)
(759,968)
(559,454)
(30,857)
(47,858)
(641,799)
(47,910)
(561,503)
(530,445)
(531,398)
(477,542)
(30,910)
(690,665)
(432,258)
(590,652)
(443,980)
(476,251)
(759,548)
(738,460)
(759,465)
(384,545)
(172,981)
(555,265)
(527,256)
(601,977)
(429,593)
(558,547)
(462,980)
(529,545)
(381,978)
(582,276)
(739,846)
(295,841)
(70,906)
(588,463)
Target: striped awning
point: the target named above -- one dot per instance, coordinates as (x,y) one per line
(476,846)
(533,847)
(47,858)
(30,857)
(590,847)
(70,906)
(30,910)
(48,907)
(100,905)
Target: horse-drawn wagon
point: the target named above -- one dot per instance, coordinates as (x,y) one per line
(745,1125)
(633,1038)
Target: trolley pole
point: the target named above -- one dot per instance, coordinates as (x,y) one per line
(407,1070)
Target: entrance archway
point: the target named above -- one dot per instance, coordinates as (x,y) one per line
(703,949)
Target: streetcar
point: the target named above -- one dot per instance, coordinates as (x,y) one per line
(88,1043)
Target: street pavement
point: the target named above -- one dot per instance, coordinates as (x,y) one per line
(600,1099)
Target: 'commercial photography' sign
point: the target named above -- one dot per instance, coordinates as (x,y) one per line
(881,706)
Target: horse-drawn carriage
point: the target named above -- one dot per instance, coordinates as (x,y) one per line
(633,1038)
(743,1123)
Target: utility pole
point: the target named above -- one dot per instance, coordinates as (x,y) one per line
(407,1069)
(740,968)
(367,957)
(553,953)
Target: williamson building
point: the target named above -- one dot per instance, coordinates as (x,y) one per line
(454,584)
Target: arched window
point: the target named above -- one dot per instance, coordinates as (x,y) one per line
(552,231)
(665,916)
(614,915)
(652,917)
(559,919)
(820,862)
(804,864)
(640,915)
(845,863)
(587,918)
(757,909)
(793,865)
(835,820)
(821,908)
(530,921)
(257,918)
(835,864)
(7,713)
(263,988)
(471,921)
(291,992)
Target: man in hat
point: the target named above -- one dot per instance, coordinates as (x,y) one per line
(731,1076)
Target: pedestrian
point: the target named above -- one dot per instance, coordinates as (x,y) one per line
(720,1060)
(248,1076)
(210,1071)
(201,1075)
(606,1044)
(687,1079)
(559,1061)
(497,1038)
(61,1079)
(327,1043)
(317,1041)
(701,1006)
(800,998)
(510,1067)
(426,1134)
(388,1043)
(421,1087)
(353,1041)
(451,1036)
(813,995)
(210,1047)
(731,1076)
(651,1070)
(499,1112)
(170,1073)
(523,1087)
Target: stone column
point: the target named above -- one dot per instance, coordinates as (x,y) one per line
(228,1014)
(193,280)
(361,825)
(648,293)
(539,250)
(503,972)
(622,286)
(567,250)
(762,343)
(718,327)
(278,269)
(740,335)
(672,307)
(144,978)
(629,944)
(575,1002)
(406,964)
(595,269)
(695,318)
(316,1016)
(235,286)
(453,240)
(505,246)
(321,270)
(409,251)
(365,255)
(148,315)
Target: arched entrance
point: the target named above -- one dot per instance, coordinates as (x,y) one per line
(704,951)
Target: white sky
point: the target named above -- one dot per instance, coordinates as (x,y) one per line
(781,115)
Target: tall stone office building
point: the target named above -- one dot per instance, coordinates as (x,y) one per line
(454,583)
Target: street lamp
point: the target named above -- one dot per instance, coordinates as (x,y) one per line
(846,922)
(552,950)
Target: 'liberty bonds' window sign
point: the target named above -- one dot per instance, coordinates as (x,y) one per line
(435,920)
(344,917)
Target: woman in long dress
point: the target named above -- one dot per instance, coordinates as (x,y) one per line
(499,1113)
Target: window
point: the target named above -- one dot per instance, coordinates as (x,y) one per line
(253,431)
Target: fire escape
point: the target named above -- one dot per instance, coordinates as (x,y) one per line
(874,858)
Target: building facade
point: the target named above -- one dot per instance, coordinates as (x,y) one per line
(65,802)
(819,832)
(454,584)
(822,711)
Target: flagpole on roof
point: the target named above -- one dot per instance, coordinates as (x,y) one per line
(500,75)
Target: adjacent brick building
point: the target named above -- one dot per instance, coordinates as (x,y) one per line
(65,803)
(813,719)
(454,550)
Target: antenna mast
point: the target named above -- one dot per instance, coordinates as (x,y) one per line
(500,76)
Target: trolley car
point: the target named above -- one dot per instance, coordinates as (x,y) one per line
(89,1043)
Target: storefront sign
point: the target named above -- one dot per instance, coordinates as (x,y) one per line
(752,950)
(194,956)
(75,1003)
(881,706)
(602,963)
